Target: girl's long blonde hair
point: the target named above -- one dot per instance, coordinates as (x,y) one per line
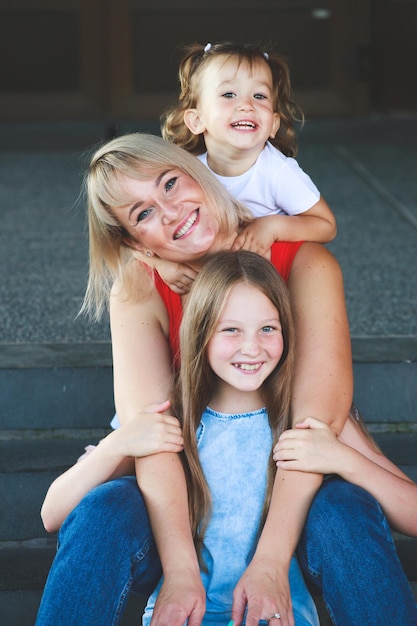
(191,68)
(196,381)
(142,157)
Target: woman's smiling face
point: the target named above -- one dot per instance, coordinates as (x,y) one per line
(168,215)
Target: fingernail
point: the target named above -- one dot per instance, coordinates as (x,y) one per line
(231,623)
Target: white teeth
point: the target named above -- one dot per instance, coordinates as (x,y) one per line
(186,227)
(248,367)
(243,125)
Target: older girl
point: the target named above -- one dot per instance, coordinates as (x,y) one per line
(233,395)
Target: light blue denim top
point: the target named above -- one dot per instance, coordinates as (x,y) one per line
(234,452)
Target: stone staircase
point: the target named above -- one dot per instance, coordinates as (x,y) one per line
(56,399)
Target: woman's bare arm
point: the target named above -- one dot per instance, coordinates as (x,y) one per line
(323,387)
(142,376)
(323,381)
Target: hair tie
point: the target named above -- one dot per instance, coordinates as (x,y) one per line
(265,55)
(207,47)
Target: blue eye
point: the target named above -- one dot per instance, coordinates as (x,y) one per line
(259,96)
(143,215)
(229,94)
(170,183)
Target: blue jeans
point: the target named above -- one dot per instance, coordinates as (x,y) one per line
(347,552)
(106,550)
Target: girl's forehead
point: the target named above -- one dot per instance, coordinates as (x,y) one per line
(229,66)
(236,62)
(247,291)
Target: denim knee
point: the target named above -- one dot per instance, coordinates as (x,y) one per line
(107,510)
(347,551)
(106,549)
(111,525)
(341,519)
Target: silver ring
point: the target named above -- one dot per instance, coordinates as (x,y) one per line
(274,616)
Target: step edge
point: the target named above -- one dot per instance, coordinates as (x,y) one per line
(365,349)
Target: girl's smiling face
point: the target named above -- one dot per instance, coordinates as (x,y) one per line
(246,346)
(167,215)
(235,105)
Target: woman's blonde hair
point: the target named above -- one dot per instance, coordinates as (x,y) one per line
(196,381)
(197,57)
(141,157)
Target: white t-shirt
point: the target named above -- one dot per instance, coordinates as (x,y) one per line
(274,184)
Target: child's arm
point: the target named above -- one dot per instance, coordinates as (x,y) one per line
(150,433)
(318,224)
(178,276)
(312,447)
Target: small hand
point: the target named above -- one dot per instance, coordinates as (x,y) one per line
(177,276)
(310,447)
(257,237)
(150,432)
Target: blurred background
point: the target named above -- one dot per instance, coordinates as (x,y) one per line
(116,59)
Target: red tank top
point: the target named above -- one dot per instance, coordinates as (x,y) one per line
(282,257)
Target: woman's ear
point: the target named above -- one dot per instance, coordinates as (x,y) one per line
(194,122)
(135,245)
(275,125)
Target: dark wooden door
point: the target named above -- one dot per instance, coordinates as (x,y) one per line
(393,79)
(118,59)
(322,41)
(52,63)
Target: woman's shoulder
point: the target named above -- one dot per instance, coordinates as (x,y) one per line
(137,300)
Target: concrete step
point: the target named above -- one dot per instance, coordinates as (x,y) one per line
(58,386)
(19,608)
